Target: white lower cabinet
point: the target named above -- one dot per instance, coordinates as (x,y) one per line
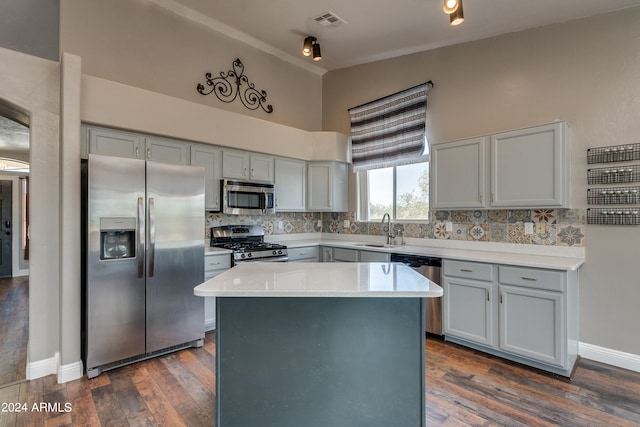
(214,264)
(531,324)
(528,315)
(468,310)
(373,256)
(304,254)
(336,254)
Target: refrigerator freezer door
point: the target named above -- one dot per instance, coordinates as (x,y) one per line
(115,294)
(175,254)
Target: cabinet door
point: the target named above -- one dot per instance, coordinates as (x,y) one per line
(458,174)
(529,167)
(291,185)
(167,150)
(235,164)
(327,187)
(304,254)
(115,143)
(468,312)
(372,256)
(532,324)
(319,186)
(261,168)
(211,159)
(345,255)
(327,254)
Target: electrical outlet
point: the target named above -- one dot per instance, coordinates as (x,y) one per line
(528,228)
(346,224)
(319,223)
(448,226)
(541,228)
(279,225)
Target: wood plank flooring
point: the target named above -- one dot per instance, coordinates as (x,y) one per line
(14,328)
(464,387)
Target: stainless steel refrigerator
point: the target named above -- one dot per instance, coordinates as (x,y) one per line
(144,254)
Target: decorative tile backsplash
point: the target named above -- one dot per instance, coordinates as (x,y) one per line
(555,227)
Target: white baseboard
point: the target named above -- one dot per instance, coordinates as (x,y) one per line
(42,368)
(609,356)
(70,372)
(51,366)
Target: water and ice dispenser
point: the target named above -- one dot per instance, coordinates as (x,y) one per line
(117,238)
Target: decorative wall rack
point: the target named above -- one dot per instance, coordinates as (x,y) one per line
(235,84)
(623,202)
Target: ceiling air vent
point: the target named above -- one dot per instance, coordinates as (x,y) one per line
(329,19)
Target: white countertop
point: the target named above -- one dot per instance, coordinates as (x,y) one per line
(313,279)
(537,256)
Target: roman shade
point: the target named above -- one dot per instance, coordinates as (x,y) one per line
(389,131)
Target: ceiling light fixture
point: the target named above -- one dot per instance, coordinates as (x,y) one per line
(311,47)
(317,56)
(307,47)
(457,17)
(450,6)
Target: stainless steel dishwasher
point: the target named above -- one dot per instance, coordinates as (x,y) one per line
(430,268)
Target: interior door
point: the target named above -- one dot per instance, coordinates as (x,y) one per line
(5,228)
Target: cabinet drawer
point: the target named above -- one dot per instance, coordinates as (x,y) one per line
(469,270)
(308,253)
(345,255)
(217,262)
(552,280)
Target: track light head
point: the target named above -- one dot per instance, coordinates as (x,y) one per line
(457,17)
(317,56)
(450,6)
(307,47)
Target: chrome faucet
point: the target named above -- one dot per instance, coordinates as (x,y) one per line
(388,230)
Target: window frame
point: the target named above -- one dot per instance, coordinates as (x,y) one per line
(362,179)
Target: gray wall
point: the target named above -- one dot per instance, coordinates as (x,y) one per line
(585,72)
(30,26)
(141,44)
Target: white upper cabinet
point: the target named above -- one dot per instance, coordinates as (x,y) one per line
(116,143)
(458,174)
(211,159)
(523,168)
(291,185)
(110,142)
(327,186)
(167,150)
(530,167)
(247,166)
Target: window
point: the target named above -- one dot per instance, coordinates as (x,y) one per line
(401,191)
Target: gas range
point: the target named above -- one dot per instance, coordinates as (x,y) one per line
(247,243)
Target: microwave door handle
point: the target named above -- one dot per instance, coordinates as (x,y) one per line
(263,202)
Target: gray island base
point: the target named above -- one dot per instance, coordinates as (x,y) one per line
(310,344)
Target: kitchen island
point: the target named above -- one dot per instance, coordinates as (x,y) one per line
(319,344)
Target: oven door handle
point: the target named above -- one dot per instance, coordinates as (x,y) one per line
(283,258)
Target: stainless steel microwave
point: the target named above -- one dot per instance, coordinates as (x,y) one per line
(247,198)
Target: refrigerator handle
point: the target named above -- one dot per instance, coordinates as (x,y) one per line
(152,235)
(140,242)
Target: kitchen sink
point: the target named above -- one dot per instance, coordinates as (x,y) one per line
(376,245)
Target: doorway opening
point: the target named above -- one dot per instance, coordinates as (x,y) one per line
(14,245)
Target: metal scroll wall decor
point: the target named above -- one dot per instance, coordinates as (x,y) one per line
(235,84)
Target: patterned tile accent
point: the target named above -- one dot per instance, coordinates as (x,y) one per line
(562,227)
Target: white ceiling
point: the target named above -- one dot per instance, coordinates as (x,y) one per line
(376,29)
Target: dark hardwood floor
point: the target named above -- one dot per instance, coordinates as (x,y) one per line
(14,328)
(464,387)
